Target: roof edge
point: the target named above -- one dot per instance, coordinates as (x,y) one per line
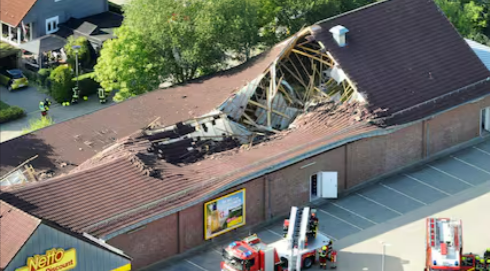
(297,159)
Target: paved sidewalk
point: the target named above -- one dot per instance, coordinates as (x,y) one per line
(29,100)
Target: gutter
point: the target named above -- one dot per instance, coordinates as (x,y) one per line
(281,165)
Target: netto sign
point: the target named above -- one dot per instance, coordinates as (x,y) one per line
(56,259)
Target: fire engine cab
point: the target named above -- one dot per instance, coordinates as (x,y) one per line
(444,247)
(295,252)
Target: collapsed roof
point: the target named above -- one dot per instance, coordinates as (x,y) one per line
(306,94)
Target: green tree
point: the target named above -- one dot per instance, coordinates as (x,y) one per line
(194,36)
(61,83)
(238,24)
(469,17)
(128,65)
(83,53)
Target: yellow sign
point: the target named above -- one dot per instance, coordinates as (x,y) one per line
(126,267)
(56,259)
(224,214)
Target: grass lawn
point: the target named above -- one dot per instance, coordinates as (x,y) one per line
(3,105)
(7,49)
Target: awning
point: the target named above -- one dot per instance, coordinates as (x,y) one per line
(44,44)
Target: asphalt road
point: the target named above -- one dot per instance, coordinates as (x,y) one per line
(394,211)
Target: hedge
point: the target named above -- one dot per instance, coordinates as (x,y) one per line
(11,113)
(87,84)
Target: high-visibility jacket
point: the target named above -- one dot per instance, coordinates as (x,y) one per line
(322,253)
(41,106)
(101,93)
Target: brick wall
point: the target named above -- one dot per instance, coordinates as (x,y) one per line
(274,194)
(291,186)
(370,157)
(151,243)
(191,227)
(453,127)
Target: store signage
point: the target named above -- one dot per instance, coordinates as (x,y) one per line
(56,259)
(224,214)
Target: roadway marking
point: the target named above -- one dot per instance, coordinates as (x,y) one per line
(198,266)
(354,213)
(484,151)
(403,194)
(380,204)
(329,236)
(275,233)
(217,251)
(471,165)
(340,219)
(426,184)
(450,175)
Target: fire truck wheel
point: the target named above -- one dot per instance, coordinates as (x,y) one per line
(308,262)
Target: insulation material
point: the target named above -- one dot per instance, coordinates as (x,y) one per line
(336,73)
(235,105)
(278,121)
(219,128)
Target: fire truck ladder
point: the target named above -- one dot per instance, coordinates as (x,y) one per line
(296,237)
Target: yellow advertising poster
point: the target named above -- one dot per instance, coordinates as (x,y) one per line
(56,259)
(224,214)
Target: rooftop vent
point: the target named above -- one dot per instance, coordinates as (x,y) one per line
(338,33)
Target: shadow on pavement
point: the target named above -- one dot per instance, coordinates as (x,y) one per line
(348,261)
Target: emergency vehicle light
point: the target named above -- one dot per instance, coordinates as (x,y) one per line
(435,263)
(232,245)
(248,253)
(456,263)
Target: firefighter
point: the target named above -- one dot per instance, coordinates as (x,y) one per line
(486,255)
(43,110)
(102,96)
(74,98)
(480,265)
(285,227)
(488,265)
(322,257)
(313,223)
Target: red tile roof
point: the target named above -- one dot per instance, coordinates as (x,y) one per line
(402,53)
(76,140)
(13,11)
(92,200)
(16,227)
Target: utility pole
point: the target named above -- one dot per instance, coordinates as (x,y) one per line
(384,244)
(76,48)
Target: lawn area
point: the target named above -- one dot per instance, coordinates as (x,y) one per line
(3,105)
(7,49)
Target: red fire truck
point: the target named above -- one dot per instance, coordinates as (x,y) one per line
(295,252)
(444,247)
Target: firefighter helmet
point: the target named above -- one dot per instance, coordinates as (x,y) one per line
(324,247)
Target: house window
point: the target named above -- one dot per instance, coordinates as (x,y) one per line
(52,25)
(485,121)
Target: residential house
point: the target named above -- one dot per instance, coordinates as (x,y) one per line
(360,95)
(40,26)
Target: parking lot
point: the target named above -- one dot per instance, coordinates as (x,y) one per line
(393,211)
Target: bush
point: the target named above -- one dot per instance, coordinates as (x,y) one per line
(42,77)
(36,124)
(87,84)
(11,113)
(30,75)
(61,84)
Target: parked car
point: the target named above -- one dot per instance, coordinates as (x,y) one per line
(13,79)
